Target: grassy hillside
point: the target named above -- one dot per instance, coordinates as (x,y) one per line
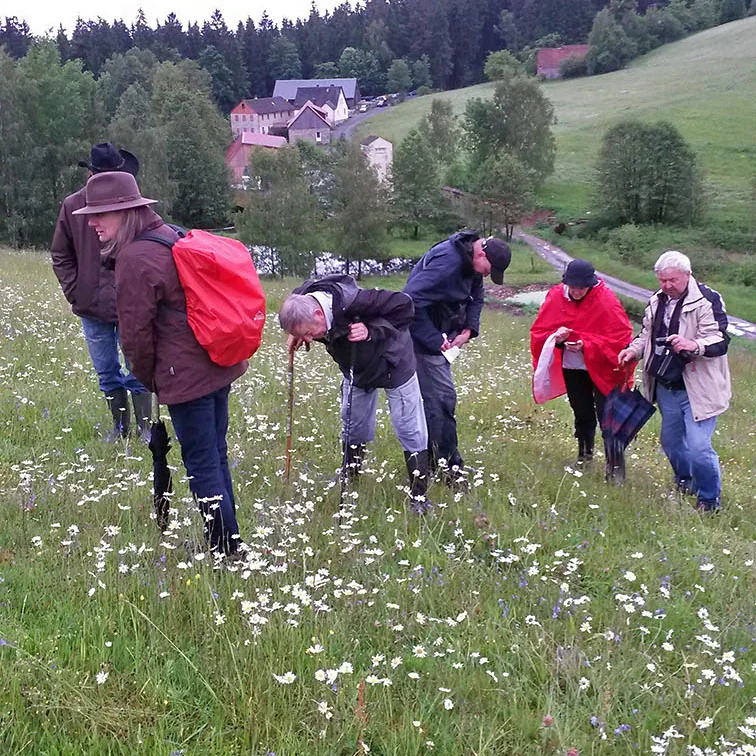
(705,85)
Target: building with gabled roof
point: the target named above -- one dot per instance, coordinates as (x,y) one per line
(380,155)
(310,124)
(331,100)
(287,88)
(548,59)
(258,115)
(238,155)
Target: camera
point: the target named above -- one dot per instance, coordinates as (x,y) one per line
(661,341)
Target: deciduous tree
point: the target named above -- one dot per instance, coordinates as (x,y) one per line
(359,207)
(647,173)
(504,191)
(518,121)
(281,217)
(417,191)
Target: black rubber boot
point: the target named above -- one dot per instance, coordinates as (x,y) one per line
(118,403)
(143,413)
(585,449)
(354,456)
(419,473)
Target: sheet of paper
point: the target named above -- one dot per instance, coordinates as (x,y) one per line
(451,354)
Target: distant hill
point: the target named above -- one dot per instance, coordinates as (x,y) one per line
(705,84)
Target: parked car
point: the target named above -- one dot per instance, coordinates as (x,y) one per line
(381,102)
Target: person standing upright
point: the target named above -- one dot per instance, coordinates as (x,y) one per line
(446,286)
(589,326)
(162,347)
(90,290)
(684,344)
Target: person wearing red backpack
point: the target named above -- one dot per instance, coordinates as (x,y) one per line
(161,346)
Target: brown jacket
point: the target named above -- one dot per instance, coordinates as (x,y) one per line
(89,288)
(155,335)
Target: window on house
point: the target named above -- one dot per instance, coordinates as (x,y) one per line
(318,137)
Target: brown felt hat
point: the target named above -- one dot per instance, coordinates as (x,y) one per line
(111,191)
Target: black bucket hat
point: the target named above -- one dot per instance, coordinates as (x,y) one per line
(105,157)
(581,274)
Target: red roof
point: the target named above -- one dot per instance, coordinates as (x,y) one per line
(262,105)
(254,140)
(263,140)
(551,57)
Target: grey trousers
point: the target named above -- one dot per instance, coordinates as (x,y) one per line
(405,407)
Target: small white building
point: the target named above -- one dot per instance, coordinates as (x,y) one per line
(380,155)
(330,100)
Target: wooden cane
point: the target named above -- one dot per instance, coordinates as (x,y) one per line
(287,465)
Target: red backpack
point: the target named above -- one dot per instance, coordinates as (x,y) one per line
(225,302)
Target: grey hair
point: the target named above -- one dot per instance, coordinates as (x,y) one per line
(673,259)
(297,310)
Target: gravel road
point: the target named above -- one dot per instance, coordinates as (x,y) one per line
(559,259)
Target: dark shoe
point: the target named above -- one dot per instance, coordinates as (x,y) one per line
(418,471)
(454,479)
(708,505)
(353,461)
(684,487)
(118,403)
(143,413)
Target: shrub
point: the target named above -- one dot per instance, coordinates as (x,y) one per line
(573,67)
(647,173)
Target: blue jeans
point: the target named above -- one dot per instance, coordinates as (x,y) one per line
(687,444)
(440,404)
(201,426)
(103,341)
(405,407)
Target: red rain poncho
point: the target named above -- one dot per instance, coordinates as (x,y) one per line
(598,320)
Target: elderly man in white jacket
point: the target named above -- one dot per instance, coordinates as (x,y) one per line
(683,344)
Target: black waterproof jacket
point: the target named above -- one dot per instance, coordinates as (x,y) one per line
(386,359)
(447,292)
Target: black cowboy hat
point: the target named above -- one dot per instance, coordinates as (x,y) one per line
(105,157)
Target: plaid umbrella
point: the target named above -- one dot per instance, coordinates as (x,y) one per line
(625,413)
(160,445)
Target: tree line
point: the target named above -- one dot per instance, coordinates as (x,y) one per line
(52,111)
(435,43)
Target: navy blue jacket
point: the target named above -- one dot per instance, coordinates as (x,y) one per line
(386,360)
(447,292)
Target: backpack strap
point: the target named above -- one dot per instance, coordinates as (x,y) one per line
(178,231)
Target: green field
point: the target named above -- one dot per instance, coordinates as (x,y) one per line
(542,613)
(705,85)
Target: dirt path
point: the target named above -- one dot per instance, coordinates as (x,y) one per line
(559,259)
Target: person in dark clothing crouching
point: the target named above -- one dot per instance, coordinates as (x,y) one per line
(366,333)
(446,286)
(161,347)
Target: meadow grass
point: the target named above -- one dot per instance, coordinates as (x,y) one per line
(703,84)
(541,612)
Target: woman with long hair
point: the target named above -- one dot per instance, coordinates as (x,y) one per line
(161,347)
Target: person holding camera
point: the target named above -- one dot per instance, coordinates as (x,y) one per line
(684,344)
(574,340)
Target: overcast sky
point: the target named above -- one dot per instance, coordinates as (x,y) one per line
(42,15)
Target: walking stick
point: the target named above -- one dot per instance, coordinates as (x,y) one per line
(287,465)
(347,430)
